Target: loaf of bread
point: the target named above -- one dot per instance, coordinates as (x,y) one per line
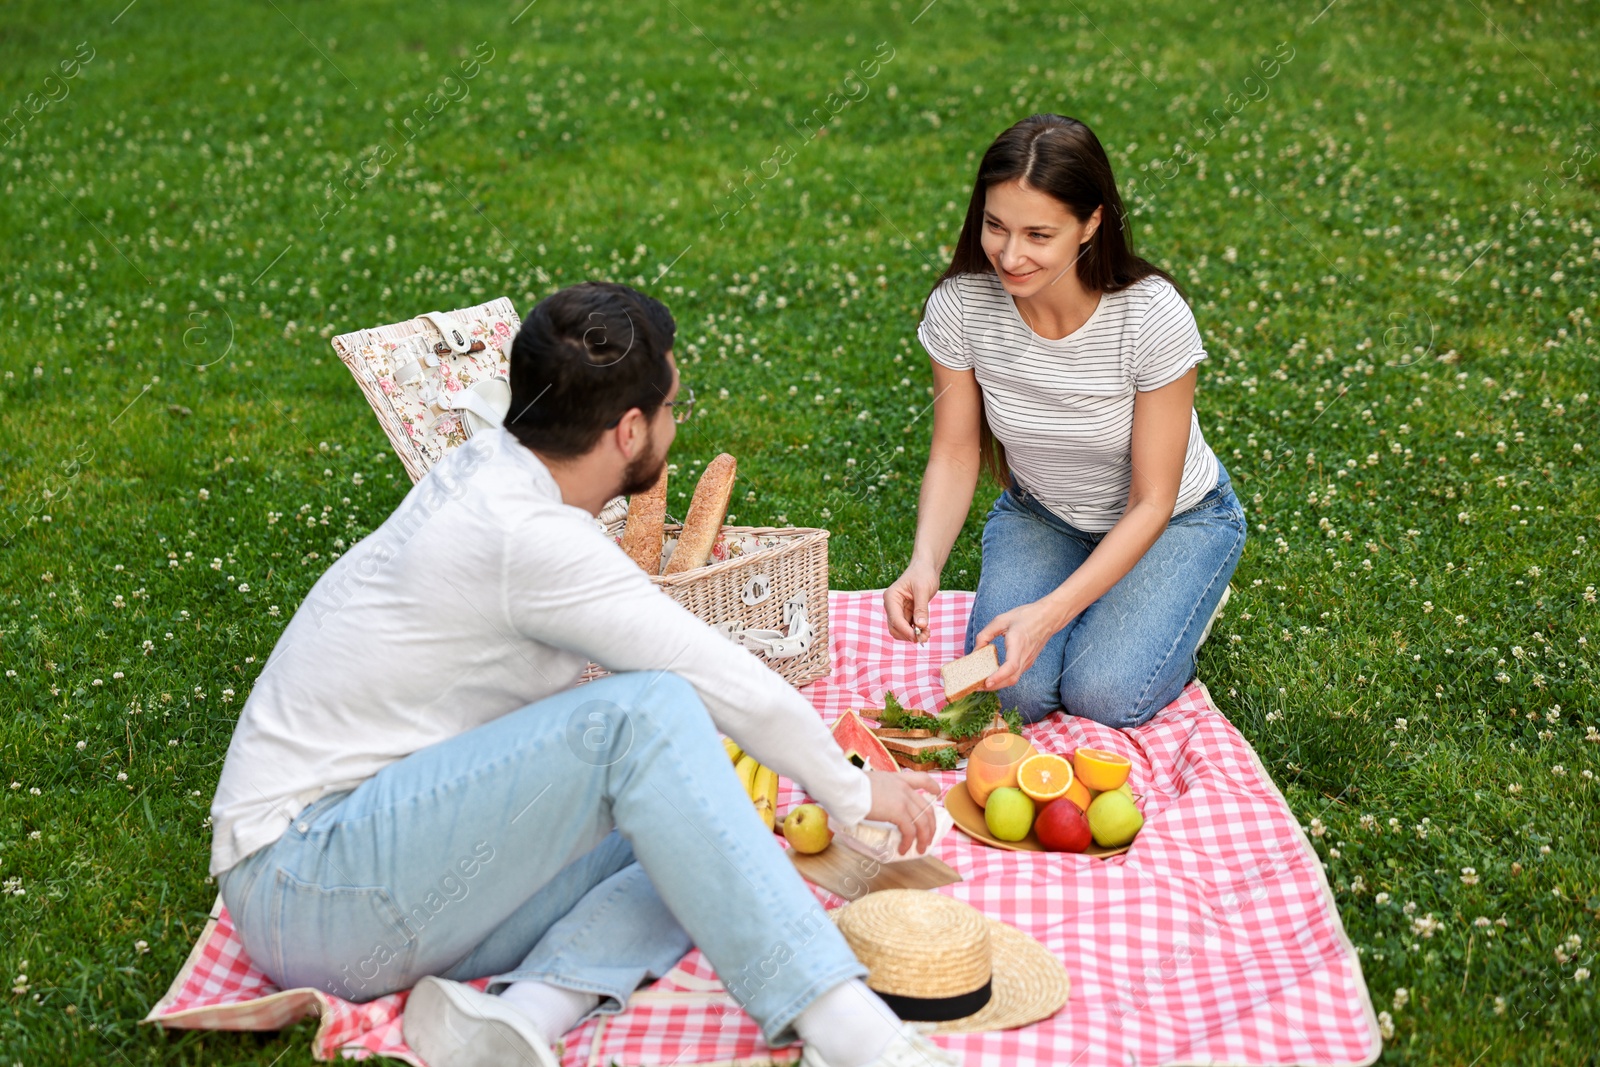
(966,674)
(647,517)
(706,512)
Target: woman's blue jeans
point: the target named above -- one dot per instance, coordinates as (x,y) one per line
(1130,653)
(584,840)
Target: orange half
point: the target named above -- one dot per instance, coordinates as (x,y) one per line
(1045,776)
(1101,770)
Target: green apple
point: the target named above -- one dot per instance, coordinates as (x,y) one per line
(806,828)
(1009,814)
(1113,819)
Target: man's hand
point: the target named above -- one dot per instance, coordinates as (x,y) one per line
(898,798)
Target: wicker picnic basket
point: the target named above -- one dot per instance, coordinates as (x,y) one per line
(436,379)
(772,599)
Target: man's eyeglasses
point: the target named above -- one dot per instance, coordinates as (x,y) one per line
(681,408)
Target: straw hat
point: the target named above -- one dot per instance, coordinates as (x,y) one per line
(935,959)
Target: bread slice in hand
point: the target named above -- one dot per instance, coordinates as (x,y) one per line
(966,674)
(706,512)
(645,530)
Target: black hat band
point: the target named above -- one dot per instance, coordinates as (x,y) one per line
(938,1009)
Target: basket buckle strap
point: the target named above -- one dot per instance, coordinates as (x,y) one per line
(454,336)
(774,643)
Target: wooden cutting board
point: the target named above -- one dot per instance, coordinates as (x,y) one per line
(849,874)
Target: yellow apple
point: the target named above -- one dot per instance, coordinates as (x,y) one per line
(806,828)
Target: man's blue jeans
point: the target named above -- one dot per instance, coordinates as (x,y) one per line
(1130,653)
(584,840)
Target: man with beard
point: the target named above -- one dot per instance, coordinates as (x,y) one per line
(417,794)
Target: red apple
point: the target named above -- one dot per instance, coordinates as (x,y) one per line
(1062,827)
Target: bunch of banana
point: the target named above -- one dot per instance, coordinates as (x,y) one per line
(760,782)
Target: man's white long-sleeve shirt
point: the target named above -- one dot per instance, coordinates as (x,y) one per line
(481,594)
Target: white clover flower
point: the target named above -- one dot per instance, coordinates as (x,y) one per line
(1385,1025)
(1402,997)
(1381,899)
(1426,926)
(1469,876)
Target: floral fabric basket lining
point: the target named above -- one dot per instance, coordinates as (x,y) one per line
(436,379)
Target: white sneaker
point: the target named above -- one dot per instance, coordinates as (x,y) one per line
(450,1024)
(911,1049)
(1226,593)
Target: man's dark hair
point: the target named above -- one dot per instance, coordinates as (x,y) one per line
(583,357)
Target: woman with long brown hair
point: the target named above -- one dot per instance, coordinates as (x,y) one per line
(1065,365)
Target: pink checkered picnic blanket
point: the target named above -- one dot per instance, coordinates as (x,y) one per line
(1214,940)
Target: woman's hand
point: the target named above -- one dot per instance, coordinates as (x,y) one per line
(906,602)
(1026,629)
(898,798)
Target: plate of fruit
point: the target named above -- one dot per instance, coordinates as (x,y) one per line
(1016,797)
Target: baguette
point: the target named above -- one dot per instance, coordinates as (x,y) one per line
(968,673)
(644,532)
(706,512)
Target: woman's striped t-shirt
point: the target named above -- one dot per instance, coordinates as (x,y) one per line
(1063,409)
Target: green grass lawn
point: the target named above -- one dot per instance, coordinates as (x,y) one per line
(1389,247)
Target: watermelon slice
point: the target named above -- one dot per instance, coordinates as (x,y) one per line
(861,746)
